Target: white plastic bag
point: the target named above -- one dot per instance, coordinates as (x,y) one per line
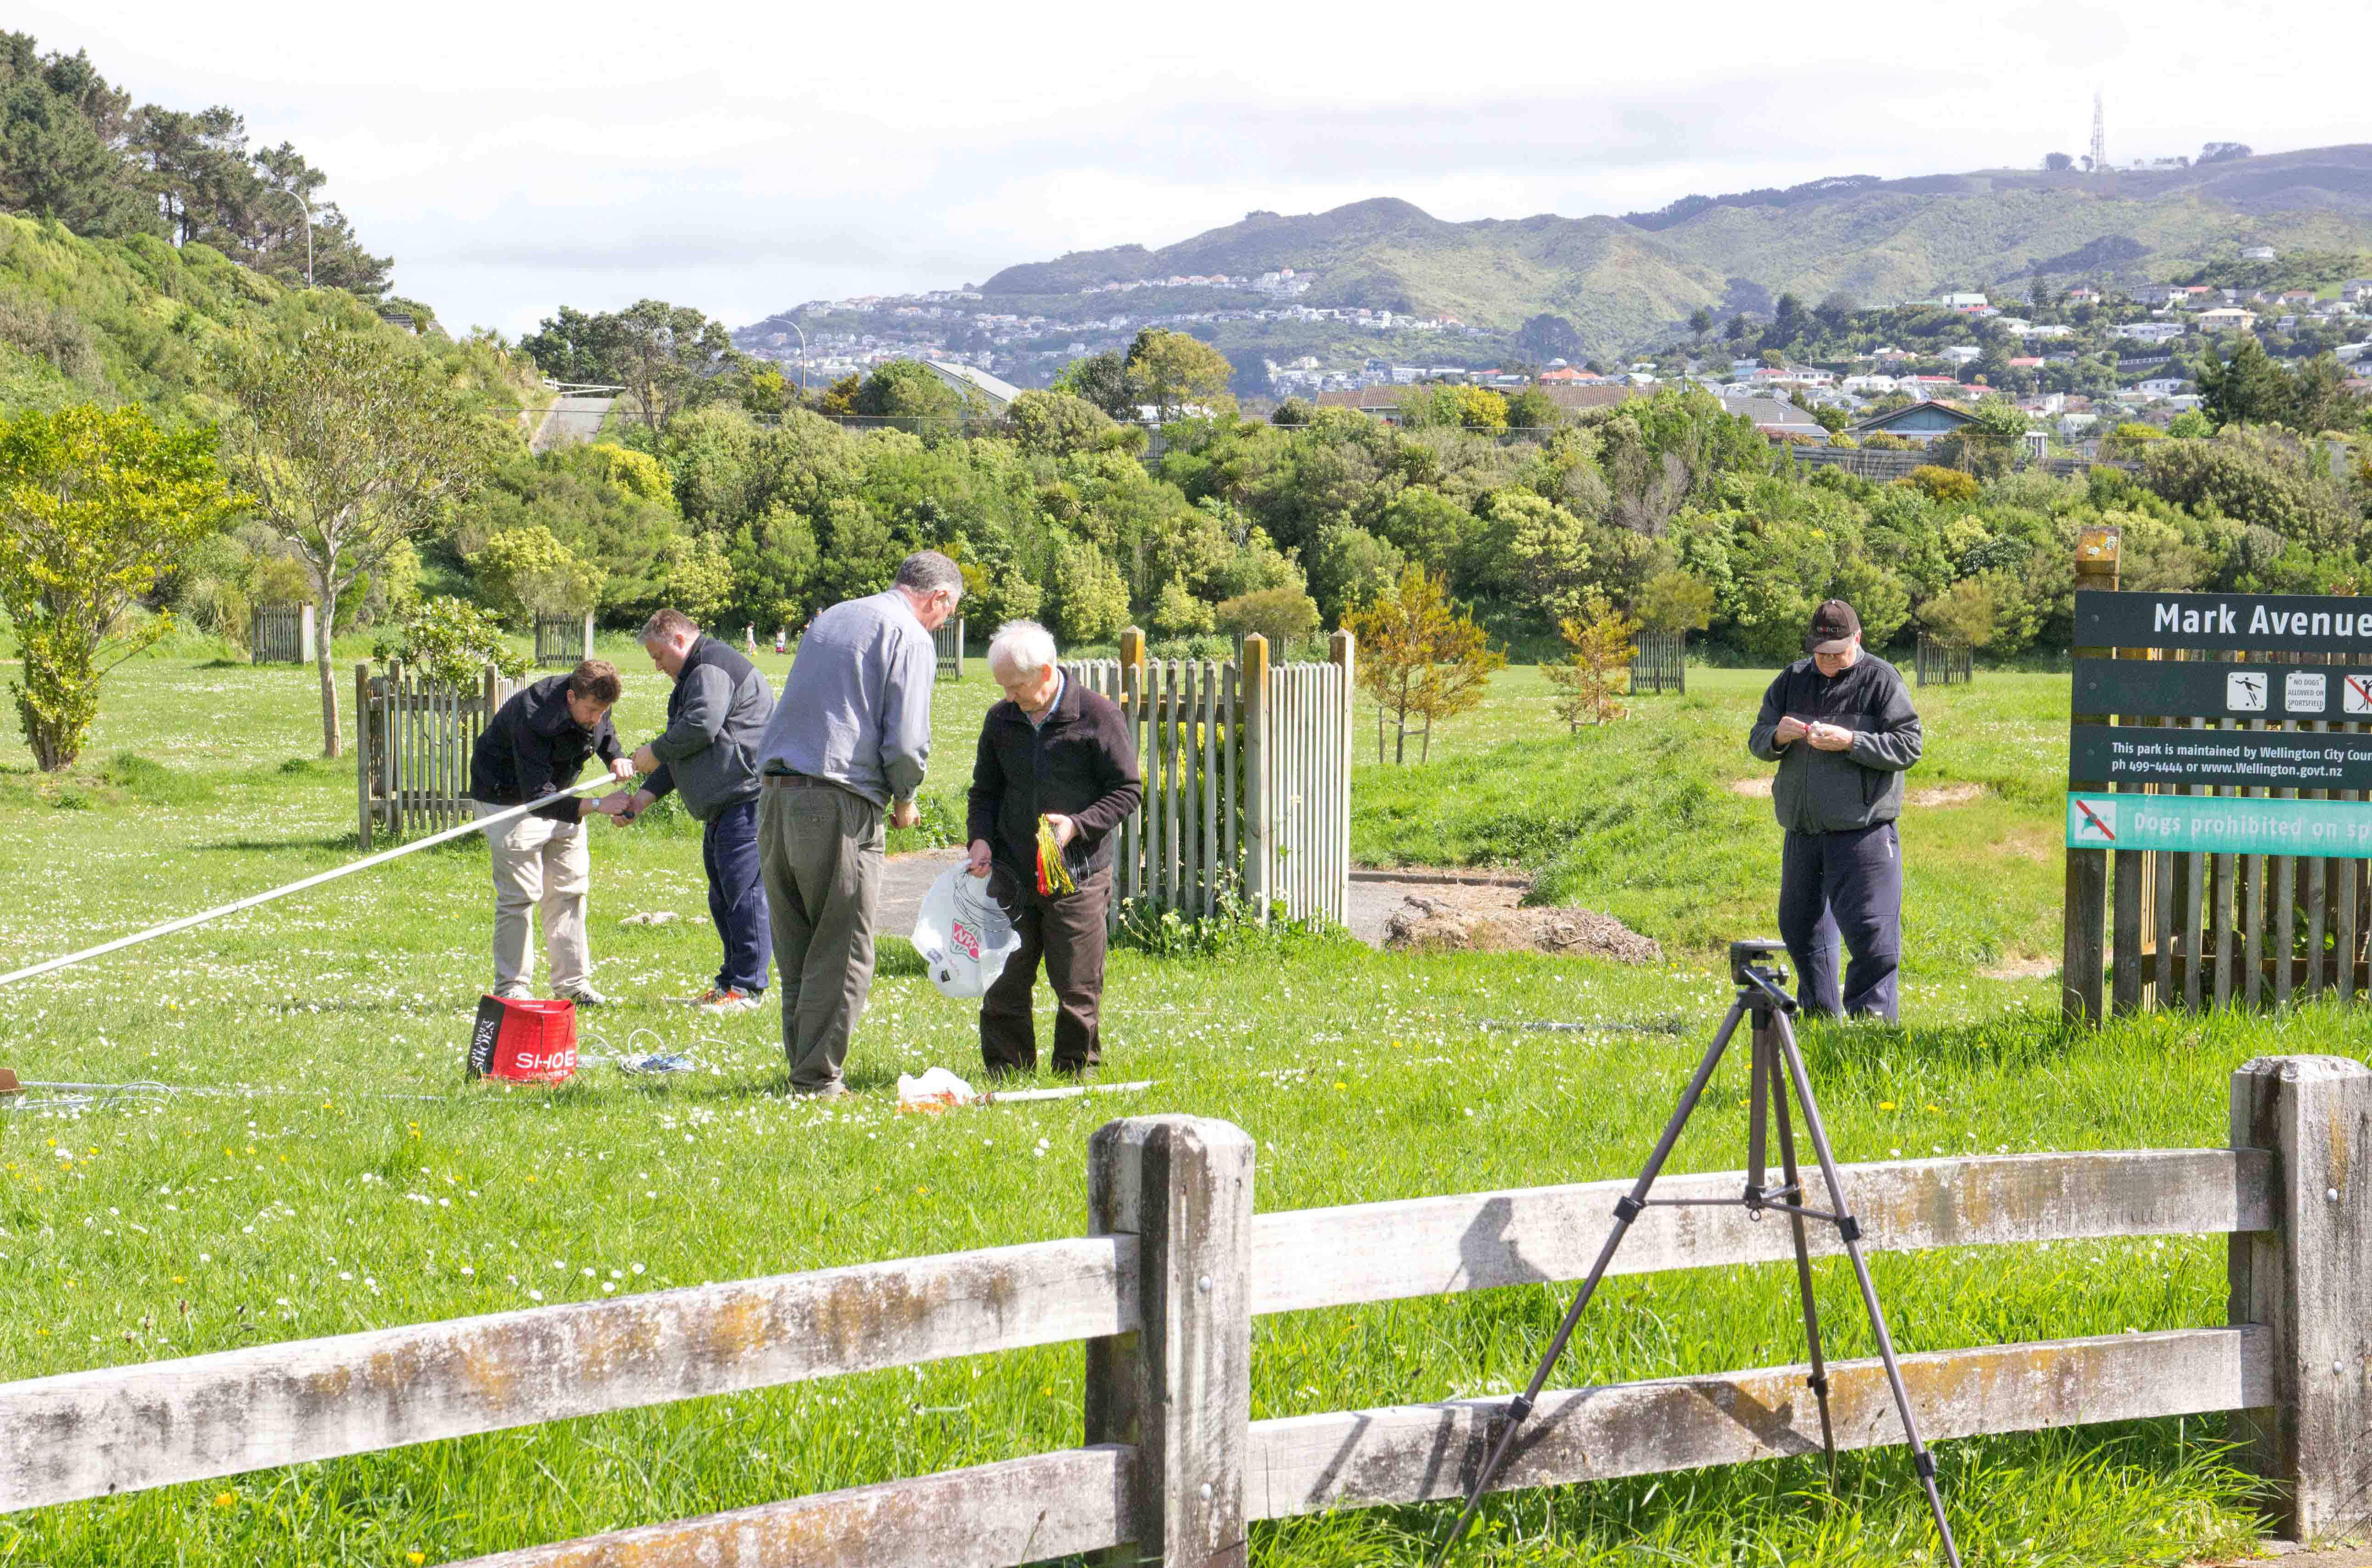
(963,934)
(936,1089)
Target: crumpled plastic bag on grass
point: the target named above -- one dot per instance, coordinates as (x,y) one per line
(937,1090)
(963,934)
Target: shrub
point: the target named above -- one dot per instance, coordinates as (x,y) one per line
(451,641)
(1938,483)
(1282,615)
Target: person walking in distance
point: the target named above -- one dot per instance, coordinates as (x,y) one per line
(537,744)
(708,754)
(1840,726)
(848,742)
(1055,752)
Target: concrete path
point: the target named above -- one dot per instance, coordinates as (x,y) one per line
(569,419)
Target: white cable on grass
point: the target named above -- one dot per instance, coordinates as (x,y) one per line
(507,814)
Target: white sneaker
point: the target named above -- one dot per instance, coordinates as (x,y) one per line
(582,995)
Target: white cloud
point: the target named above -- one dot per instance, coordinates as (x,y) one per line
(743,158)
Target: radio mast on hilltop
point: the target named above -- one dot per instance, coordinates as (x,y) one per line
(2099,139)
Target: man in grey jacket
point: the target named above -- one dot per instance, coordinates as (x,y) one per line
(1840,726)
(848,744)
(708,754)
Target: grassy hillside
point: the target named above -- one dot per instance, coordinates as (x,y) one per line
(1624,281)
(139,320)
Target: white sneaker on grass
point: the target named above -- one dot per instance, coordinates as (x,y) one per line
(582,995)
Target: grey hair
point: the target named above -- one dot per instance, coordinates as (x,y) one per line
(665,625)
(1021,646)
(927,572)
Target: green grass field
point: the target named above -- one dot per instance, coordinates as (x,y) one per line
(343,1177)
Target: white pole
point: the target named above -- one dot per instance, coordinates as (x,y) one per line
(479,825)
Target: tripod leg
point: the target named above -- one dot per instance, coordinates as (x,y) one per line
(1819,1380)
(1758,1101)
(1626,1210)
(1850,1230)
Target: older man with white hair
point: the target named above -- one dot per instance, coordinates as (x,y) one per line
(1056,753)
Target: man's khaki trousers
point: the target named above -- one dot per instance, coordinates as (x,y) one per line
(540,865)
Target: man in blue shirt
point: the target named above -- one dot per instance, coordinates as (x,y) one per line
(844,751)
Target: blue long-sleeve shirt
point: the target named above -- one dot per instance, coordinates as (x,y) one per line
(856,708)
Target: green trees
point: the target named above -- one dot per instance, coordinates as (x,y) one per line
(97,503)
(669,357)
(73,148)
(905,393)
(348,446)
(523,573)
(2251,388)
(1173,371)
(1057,424)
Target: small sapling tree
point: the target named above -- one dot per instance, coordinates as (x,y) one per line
(1596,674)
(1421,659)
(93,504)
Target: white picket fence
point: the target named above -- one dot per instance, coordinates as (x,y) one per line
(1248,796)
(1177,1265)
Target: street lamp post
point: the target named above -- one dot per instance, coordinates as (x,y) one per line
(802,356)
(307,207)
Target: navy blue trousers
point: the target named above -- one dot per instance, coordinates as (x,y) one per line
(737,896)
(1847,885)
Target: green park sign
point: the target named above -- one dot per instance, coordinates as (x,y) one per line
(2207,824)
(2227,622)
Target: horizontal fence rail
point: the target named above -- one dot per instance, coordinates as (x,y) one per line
(1165,1297)
(124,1428)
(1423,1453)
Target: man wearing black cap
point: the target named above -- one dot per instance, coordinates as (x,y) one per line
(1841,729)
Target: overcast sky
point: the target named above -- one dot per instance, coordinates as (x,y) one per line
(514,157)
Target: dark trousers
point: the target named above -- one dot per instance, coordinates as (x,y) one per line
(1067,932)
(736,895)
(1847,884)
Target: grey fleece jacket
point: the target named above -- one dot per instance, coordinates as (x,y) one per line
(716,715)
(1830,792)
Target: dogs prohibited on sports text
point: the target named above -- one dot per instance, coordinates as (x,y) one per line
(2306,691)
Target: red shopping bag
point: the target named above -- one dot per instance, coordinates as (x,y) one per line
(524,1042)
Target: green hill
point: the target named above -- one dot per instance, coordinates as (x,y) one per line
(1627,281)
(139,320)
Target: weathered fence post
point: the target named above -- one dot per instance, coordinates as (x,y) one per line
(1179,1389)
(1343,650)
(2081,958)
(2310,1281)
(588,634)
(1259,831)
(362,757)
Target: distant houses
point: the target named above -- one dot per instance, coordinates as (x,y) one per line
(1921,424)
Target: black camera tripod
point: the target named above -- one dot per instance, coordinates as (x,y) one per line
(1761,993)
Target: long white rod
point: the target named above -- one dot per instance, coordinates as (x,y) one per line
(507,814)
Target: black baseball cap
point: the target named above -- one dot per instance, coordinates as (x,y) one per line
(1834,622)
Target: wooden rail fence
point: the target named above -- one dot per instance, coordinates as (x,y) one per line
(1659,662)
(412,741)
(1943,662)
(1247,768)
(1177,1265)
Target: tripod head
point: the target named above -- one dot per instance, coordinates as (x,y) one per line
(1760,964)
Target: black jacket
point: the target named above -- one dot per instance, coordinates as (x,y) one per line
(1830,792)
(534,747)
(716,715)
(1080,764)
